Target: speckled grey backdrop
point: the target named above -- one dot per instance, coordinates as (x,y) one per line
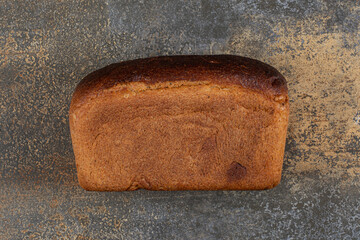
(46,47)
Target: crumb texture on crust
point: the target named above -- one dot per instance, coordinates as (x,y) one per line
(163,71)
(193,137)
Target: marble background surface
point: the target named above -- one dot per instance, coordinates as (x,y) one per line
(47,47)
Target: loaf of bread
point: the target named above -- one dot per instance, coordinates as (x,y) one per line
(180,123)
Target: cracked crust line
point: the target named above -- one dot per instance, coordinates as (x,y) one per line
(134,88)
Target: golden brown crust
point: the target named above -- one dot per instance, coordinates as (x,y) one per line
(180,123)
(218,69)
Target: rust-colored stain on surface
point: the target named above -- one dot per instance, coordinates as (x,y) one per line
(47,47)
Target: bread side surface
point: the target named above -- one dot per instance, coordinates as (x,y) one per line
(179,135)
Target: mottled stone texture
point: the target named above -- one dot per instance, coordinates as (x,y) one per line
(46,47)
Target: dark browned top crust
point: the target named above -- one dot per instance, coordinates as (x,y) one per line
(218,69)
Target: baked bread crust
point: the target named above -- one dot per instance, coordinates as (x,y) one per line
(218,69)
(180,123)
